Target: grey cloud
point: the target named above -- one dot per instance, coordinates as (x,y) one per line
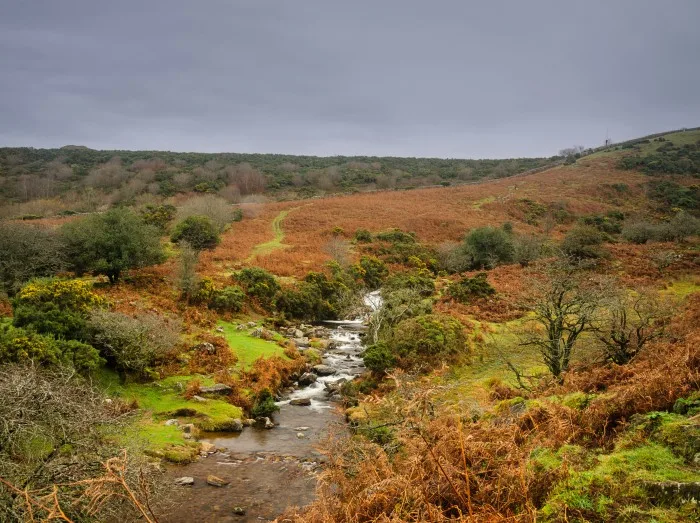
(403,77)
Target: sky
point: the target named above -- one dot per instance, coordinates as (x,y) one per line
(442,78)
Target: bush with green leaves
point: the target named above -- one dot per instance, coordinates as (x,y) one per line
(264,405)
(56,307)
(228,299)
(488,247)
(420,280)
(258,284)
(371,271)
(158,215)
(133,345)
(467,289)
(640,232)
(363,236)
(21,345)
(425,340)
(378,357)
(528,249)
(611,223)
(27,252)
(111,243)
(583,242)
(683,225)
(198,231)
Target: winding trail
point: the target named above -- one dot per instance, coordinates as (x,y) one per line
(275,244)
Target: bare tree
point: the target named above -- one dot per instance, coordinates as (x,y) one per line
(563,308)
(630,322)
(339,250)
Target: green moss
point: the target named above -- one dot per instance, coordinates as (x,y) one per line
(160,401)
(247,348)
(677,432)
(619,476)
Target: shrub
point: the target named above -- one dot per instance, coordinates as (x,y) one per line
(363,236)
(258,284)
(683,225)
(583,242)
(132,344)
(396,236)
(423,339)
(111,243)
(27,252)
(158,215)
(467,289)
(198,231)
(56,307)
(528,249)
(378,358)
(640,232)
(488,247)
(421,281)
(372,271)
(303,302)
(228,299)
(19,345)
(610,224)
(264,404)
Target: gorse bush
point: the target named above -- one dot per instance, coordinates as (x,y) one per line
(111,243)
(158,215)
(54,306)
(371,271)
(467,289)
(198,231)
(228,299)
(423,340)
(421,281)
(20,345)
(379,357)
(363,236)
(259,284)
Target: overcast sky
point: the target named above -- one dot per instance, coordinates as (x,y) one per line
(466,79)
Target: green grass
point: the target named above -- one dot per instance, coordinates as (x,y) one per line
(247,348)
(159,401)
(682,288)
(263,249)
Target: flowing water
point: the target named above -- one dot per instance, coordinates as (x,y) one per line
(270,470)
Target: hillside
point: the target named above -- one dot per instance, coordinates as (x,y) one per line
(79,179)
(536,356)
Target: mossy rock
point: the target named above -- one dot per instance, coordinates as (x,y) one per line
(180,454)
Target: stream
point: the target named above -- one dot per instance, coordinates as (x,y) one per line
(271,470)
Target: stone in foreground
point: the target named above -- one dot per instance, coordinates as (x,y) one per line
(185,481)
(216,481)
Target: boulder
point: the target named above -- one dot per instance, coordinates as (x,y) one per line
(307,379)
(301,429)
(239,511)
(264,422)
(323,370)
(185,481)
(335,386)
(207,447)
(300,435)
(248,422)
(206,348)
(216,481)
(674,492)
(236,426)
(301,342)
(301,402)
(219,388)
(199,399)
(297,333)
(172,423)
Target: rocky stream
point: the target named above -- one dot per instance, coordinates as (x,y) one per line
(255,474)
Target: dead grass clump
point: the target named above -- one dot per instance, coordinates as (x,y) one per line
(271,373)
(211,355)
